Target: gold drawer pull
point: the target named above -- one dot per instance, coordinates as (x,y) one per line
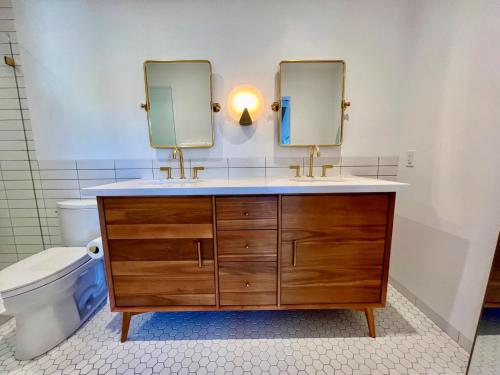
(246,213)
(294,259)
(246,246)
(198,243)
(247,284)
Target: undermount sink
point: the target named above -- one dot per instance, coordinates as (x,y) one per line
(319,179)
(173,181)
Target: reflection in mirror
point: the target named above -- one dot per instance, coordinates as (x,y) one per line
(311,103)
(485,358)
(179,103)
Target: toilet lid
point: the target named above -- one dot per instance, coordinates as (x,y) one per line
(40,269)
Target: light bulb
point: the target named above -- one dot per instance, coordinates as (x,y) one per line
(244,96)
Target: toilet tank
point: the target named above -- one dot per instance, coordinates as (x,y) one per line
(79,221)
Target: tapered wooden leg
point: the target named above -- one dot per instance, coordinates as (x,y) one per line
(371,322)
(125,325)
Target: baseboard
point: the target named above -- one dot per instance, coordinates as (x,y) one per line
(441,322)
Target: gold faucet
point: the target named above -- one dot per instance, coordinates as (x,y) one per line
(178,151)
(311,159)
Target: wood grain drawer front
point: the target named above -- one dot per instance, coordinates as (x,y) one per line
(355,254)
(331,272)
(324,284)
(163,283)
(158,217)
(322,212)
(235,213)
(247,283)
(247,245)
(160,250)
(163,272)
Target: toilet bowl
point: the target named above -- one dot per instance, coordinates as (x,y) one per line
(53,292)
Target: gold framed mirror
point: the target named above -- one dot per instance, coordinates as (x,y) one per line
(311,103)
(179,105)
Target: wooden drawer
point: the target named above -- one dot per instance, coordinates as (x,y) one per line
(158,217)
(144,283)
(162,272)
(236,213)
(320,213)
(331,272)
(335,254)
(160,250)
(247,245)
(247,283)
(324,284)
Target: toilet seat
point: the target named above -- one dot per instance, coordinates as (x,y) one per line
(40,269)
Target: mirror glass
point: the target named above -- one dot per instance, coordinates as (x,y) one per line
(485,358)
(311,96)
(179,103)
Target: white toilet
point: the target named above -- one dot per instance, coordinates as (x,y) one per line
(53,292)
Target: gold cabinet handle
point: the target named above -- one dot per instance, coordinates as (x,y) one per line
(246,246)
(168,171)
(247,284)
(198,244)
(294,259)
(246,213)
(324,168)
(194,173)
(297,169)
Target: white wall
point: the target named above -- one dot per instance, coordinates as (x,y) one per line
(446,232)
(83,67)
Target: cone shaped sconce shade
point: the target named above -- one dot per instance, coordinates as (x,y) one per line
(245,118)
(244,104)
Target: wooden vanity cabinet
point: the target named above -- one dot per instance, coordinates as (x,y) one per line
(247,252)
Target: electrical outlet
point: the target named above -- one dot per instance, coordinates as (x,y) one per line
(410,158)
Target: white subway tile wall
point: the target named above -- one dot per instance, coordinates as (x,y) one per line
(22,226)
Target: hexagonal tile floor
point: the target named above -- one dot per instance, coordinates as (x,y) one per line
(270,342)
(486,355)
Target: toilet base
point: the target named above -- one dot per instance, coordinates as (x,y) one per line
(39,331)
(47,315)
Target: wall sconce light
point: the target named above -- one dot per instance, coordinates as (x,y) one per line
(245,104)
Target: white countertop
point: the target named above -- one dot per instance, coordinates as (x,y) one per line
(241,186)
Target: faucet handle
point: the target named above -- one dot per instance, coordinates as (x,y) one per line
(168,170)
(194,174)
(324,168)
(297,169)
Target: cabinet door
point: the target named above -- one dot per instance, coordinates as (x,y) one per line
(161,251)
(333,248)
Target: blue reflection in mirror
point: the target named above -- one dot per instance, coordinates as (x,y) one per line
(285,120)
